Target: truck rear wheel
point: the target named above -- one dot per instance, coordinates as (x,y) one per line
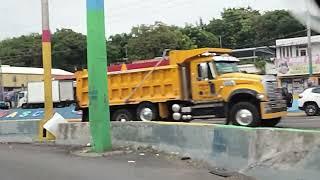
(147,112)
(85,115)
(270,122)
(122,115)
(245,114)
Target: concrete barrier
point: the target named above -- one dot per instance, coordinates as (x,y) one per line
(19,131)
(74,133)
(262,152)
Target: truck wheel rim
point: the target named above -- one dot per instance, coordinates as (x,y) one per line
(146,114)
(122,118)
(244,117)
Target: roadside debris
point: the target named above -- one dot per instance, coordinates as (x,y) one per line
(222,172)
(175,153)
(230,175)
(185,158)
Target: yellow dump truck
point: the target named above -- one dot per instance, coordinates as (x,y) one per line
(187,85)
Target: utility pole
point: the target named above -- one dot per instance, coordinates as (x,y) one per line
(99,115)
(220,41)
(1,82)
(47,65)
(309,48)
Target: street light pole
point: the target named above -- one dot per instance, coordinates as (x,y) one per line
(47,65)
(309,48)
(99,115)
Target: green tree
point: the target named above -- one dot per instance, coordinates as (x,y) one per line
(236,27)
(21,51)
(150,41)
(117,47)
(201,38)
(277,24)
(69,49)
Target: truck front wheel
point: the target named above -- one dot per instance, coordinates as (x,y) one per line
(245,114)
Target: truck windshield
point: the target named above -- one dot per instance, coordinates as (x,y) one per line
(227,67)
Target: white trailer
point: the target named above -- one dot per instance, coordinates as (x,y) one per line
(62,94)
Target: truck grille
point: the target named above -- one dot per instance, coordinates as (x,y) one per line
(273,92)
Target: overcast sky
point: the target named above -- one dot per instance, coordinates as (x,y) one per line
(19,17)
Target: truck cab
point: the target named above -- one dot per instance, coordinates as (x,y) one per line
(219,88)
(21,98)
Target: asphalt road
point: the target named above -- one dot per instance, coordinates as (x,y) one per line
(29,162)
(299,122)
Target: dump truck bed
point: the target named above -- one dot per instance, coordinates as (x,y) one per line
(158,84)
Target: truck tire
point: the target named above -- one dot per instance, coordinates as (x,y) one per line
(147,112)
(25,106)
(245,114)
(85,115)
(311,109)
(270,122)
(122,115)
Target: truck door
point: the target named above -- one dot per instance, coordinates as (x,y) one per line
(204,84)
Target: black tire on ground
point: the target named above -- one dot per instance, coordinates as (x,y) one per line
(85,115)
(256,119)
(150,106)
(270,122)
(122,115)
(24,106)
(311,109)
(60,105)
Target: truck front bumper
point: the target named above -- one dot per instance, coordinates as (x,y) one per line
(273,109)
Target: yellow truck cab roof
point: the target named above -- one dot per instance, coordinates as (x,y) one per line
(181,56)
(225,58)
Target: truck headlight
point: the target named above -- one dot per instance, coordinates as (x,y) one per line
(176,108)
(229,83)
(261,96)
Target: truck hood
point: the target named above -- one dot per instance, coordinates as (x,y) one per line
(253,77)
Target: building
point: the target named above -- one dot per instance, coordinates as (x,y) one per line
(14,78)
(248,57)
(265,52)
(249,68)
(292,65)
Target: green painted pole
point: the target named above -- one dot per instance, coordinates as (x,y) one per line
(99,114)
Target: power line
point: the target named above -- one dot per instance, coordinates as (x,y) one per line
(271,39)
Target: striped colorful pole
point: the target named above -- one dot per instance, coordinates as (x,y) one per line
(99,115)
(47,65)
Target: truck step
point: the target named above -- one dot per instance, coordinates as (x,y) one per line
(202,106)
(204,117)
